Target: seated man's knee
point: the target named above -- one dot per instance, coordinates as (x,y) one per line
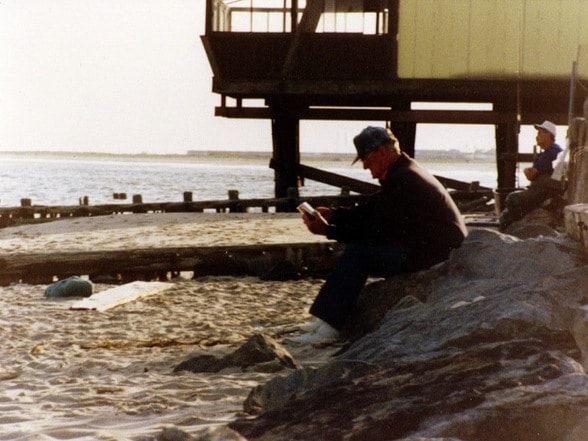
(514,204)
(514,198)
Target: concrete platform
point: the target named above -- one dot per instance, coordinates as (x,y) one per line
(576,222)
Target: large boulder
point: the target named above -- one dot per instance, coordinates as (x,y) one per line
(491,345)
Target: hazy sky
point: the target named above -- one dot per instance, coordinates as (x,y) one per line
(131,76)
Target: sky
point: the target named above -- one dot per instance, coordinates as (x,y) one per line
(131,76)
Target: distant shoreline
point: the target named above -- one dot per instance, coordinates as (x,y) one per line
(240,157)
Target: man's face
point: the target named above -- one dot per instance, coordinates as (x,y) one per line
(543,138)
(374,161)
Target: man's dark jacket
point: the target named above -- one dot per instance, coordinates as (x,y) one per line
(412,210)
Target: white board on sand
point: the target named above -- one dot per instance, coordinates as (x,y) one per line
(120,295)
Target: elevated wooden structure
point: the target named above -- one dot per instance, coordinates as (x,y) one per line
(302,66)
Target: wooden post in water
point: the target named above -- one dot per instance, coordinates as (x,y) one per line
(234,197)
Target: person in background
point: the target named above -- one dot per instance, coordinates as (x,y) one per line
(410,224)
(541,187)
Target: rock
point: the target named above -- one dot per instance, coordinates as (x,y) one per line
(281,390)
(259,351)
(488,346)
(174,434)
(210,434)
(202,363)
(528,231)
(539,222)
(220,434)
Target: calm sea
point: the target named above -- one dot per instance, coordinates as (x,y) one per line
(61,181)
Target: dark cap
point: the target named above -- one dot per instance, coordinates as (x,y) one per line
(369,140)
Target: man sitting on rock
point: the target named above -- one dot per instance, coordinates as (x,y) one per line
(409,225)
(542,186)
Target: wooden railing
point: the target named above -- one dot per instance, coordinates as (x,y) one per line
(43,213)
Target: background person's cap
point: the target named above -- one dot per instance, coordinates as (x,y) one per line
(369,140)
(548,126)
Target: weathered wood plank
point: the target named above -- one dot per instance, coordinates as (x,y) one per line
(153,263)
(336,180)
(367,188)
(362,114)
(111,298)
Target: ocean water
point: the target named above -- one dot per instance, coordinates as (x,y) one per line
(60,181)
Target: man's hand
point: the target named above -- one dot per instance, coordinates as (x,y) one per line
(531,173)
(318,224)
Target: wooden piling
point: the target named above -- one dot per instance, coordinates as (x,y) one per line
(286,148)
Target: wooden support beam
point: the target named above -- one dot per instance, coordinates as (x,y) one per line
(373,92)
(405,131)
(308,23)
(285,149)
(461,185)
(366,114)
(363,187)
(336,180)
(139,264)
(537,118)
(526,157)
(507,146)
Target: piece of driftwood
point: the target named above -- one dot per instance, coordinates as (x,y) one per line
(158,263)
(113,297)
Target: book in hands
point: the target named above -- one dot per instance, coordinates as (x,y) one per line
(306,209)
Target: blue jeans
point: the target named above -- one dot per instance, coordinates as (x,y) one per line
(357,262)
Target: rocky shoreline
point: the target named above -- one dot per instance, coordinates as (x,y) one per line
(491,345)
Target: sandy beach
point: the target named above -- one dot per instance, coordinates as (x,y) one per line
(86,375)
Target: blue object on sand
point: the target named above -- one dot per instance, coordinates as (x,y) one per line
(71,287)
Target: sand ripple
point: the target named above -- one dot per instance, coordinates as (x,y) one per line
(156,230)
(88,375)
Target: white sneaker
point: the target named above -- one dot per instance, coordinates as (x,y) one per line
(324,334)
(312,325)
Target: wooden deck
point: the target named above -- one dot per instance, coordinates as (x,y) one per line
(268,261)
